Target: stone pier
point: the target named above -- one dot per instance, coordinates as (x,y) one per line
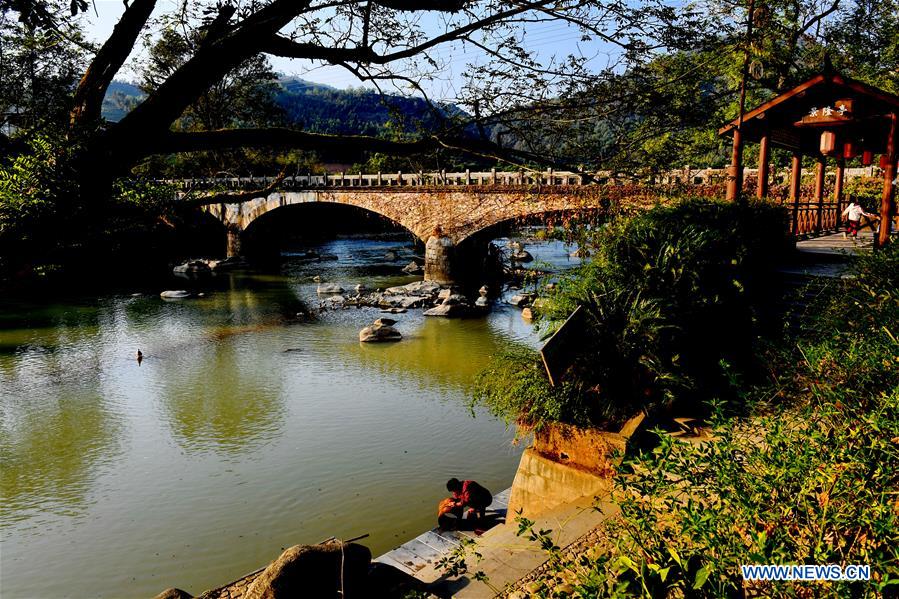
(233,244)
(439,256)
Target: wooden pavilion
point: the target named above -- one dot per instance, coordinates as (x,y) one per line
(828,116)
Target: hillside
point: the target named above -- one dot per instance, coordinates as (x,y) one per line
(312,106)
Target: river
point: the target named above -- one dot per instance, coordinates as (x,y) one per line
(244,430)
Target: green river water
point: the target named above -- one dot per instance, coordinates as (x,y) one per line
(222,447)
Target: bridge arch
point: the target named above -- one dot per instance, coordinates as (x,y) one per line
(442,217)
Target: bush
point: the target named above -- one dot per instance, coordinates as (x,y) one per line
(670,304)
(812,478)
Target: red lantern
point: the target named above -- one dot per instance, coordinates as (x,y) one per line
(850,150)
(828,143)
(867,158)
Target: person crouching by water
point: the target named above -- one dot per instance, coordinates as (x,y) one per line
(854,213)
(471,495)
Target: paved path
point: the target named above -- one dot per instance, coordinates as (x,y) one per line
(837,245)
(505,557)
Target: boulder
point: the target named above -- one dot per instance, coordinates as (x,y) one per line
(376,333)
(226,264)
(176,294)
(482,302)
(445,293)
(419,288)
(412,268)
(520,300)
(403,302)
(522,256)
(314,571)
(448,310)
(385,322)
(192,267)
(390,255)
(333,301)
(360,288)
(329,288)
(455,299)
(393,310)
(527,314)
(173,593)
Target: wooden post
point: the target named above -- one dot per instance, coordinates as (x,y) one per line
(887,202)
(819,190)
(735,177)
(838,190)
(796,189)
(764,165)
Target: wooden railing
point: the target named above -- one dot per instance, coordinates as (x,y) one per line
(811,217)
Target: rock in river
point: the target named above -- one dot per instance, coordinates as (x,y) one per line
(522,256)
(329,288)
(176,294)
(412,268)
(376,333)
(521,300)
(192,267)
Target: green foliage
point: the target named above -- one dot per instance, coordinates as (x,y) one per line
(670,303)
(810,479)
(41,225)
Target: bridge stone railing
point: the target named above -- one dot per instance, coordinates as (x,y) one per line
(493,177)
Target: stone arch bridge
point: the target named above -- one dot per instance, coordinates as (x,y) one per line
(442,209)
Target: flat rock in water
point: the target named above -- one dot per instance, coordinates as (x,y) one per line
(390,255)
(482,302)
(522,299)
(448,310)
(175,294)
(527,314)
(522,256)
(419,288)
(376,333)
(385,322)
(393,310)
(329,288)
(192,267)
(412,268)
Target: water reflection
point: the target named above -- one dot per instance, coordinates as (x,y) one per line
(217,397)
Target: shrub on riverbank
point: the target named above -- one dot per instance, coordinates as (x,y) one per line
(670,314)
(810,478)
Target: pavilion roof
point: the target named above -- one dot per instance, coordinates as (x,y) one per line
(828,101)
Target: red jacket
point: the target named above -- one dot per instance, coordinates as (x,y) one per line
(473,495)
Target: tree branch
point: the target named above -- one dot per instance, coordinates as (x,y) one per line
(232,198)
(109,59)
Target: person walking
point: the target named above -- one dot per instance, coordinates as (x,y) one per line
(854,213)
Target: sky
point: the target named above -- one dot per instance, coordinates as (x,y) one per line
(545,39)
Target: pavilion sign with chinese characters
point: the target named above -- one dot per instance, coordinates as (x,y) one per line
(838,115)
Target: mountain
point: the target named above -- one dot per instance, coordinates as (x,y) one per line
(121,98)
(311,106)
